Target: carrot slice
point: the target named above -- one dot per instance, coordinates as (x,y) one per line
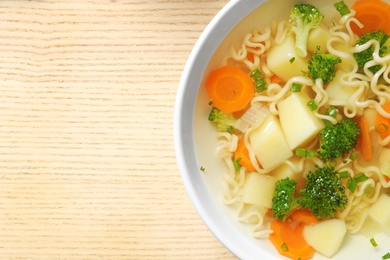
(250,56)
(240,113)
(275,79)
(287,237)
(364,139)
(373,14)
(243,153)
(382,123)
(230,89)
(304,216)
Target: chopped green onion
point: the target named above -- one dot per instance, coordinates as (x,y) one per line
(342,8)
(344,174)
(312,105)
(292,59)
(261,84)
(210,102)
(296,87)
(373,242)
(255,74)
(368,190)
(305,153)
(360,177)
(352,185)
(382,128)
(236,164)
(332,111)
(386,256)
(353,155)
(202,168)
(284,247)
(353,182)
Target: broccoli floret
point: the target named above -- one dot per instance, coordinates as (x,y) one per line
(323,66)
(337,140)
(367,55)
(324,193)
(283,200)
(222,121)
(303,18)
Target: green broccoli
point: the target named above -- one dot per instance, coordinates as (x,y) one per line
(323,66)
(222,121)
(338,140)
(303,18)
(324,193)
(283,200)
(367,55)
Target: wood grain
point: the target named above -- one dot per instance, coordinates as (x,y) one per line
(87,93)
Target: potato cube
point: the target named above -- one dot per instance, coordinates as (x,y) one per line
(326,237)
(318,38)
(380,213)
(284,62)
(258,189)
(337,90)
(298,122)
(269,143)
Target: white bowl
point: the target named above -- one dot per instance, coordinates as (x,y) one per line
(195,139)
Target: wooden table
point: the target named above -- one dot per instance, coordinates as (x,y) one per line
(87,94)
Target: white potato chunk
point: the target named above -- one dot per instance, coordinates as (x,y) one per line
(258,189)
(279,60)
(326,237)
(286,171)
(370,115)
(318,38)
(384,161)
(380,213)
(269,143)
(337,90)
(298,122)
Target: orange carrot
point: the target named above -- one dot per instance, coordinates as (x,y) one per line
(287,237)
(275,79)
(240,113)
(243,153)
(382,123)
(373,14)
(303,216)
(250,56)
(364,139)
(230,89)
(270,213)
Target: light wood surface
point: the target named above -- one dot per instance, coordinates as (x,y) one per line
(88,167)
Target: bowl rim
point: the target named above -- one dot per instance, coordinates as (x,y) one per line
(212,36)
